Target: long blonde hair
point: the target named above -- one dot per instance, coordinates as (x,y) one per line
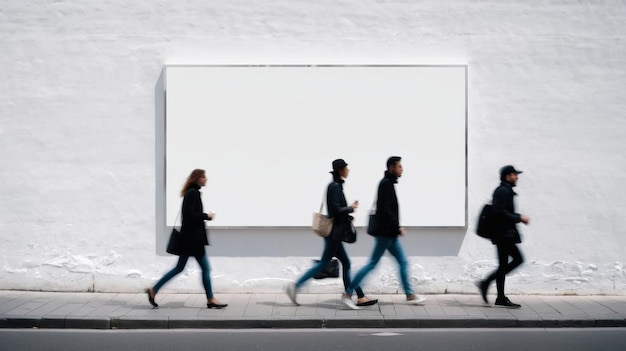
(193,178)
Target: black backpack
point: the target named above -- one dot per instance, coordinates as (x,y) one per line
(486,222)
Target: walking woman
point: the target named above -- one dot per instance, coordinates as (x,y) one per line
(194,238)
(342,230)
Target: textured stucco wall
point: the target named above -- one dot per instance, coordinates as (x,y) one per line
(77,170)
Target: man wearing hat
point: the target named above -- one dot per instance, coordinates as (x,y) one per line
(505,237)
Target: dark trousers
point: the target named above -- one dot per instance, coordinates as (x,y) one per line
(505,250)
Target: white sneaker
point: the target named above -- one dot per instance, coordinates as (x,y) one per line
(291,292)
(348,302)
(416,300)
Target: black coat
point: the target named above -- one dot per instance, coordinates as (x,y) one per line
(339,210)
(192,229)
(387,209)
(505,217)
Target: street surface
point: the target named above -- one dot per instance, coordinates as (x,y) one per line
(570,339)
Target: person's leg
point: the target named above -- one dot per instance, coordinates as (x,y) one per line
(483,285)
(500,273)
(330,247)
(395,249)
(342,256)
(212,302)
(382,244)
(517,258)
(503,258)
(506,251)
(203,261)
(500,286)
(182,261)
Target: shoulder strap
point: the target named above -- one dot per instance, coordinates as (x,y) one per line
(178,215)
(322,203)
(324,198)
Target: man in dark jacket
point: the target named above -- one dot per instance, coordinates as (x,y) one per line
(388,219)
(505,237)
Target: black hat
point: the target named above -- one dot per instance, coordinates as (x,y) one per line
(339,164)
(508,170)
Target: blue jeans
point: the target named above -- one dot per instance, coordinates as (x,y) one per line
(332,248)
(182,262)
(395,249)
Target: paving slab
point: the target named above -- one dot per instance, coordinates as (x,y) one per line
(24,309)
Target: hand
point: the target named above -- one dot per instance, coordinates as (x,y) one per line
(211,215)
(525,219)
(402,231)
(355,205)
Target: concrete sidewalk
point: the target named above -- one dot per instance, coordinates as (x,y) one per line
(21,309)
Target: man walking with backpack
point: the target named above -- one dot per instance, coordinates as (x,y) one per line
(505,235)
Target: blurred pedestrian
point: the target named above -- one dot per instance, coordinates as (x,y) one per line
(342,231)
(505,236)
(194,239)
(386,235)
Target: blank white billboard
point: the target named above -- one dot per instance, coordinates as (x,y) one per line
(266,135)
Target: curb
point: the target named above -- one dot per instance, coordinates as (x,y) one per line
(296,323)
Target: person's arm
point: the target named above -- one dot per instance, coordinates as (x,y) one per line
(501,199)
(192,206)
(333,202)
(385,206)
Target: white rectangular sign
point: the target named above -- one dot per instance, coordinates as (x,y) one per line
(266,135)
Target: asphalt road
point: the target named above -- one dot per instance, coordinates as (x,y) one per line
(315,340)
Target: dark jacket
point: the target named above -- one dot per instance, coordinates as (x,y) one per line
(192,229)
(339,210)
(387,210)
(505,217)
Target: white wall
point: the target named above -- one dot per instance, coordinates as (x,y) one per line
(77,170)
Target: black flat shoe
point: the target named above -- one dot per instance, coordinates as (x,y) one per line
(505,302)
(151,299)
(367,303)
(216,305)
